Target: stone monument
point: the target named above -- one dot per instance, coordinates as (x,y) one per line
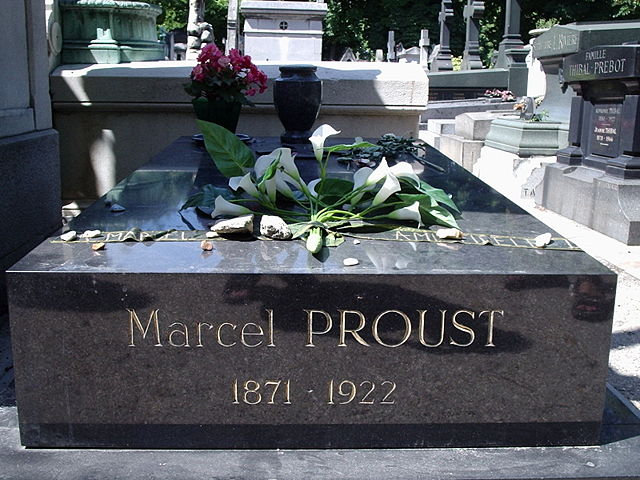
(473,12)
(442,60)
(283,31)
(109,31)
(232,26)
(597,178)
(510,51)
(29,158)
(199,32)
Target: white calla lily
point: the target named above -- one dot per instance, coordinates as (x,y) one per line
(404,170)
(412,212)
(282,186)
(245,183)
(359,179)
(390,186)
(224,207)
(380,172)
(318,138)
(312,186)
(262,163)
(287,163)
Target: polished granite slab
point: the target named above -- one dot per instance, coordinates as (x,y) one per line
(257,344)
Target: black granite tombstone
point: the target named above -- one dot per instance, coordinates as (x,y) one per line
(603,128)
(258,344)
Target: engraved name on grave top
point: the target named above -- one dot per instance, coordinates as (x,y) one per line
(602,63)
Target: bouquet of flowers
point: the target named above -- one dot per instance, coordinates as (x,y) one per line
(230,78)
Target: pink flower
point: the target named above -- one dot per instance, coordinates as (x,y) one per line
(224,62)
(198,73)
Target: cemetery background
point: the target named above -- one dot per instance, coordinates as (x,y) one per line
(626,323)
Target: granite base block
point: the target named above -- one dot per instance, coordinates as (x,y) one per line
(614,458)
(604,203)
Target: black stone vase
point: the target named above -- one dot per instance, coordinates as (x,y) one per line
(297,95)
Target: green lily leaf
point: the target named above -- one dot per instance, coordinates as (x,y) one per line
(206,197)
(299,229)
(353,146)
(270,172)
(333,239)
(430,212)
(230,155)
(438,215)
(438,194)
(331,190)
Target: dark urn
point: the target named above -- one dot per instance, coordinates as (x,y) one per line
(297,95)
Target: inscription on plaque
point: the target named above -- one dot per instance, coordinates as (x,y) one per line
(605,137)
(340,329)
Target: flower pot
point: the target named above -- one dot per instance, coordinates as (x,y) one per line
(225,114)
(297,95)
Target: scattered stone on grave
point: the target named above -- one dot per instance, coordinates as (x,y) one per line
(91,234)
(350,262)
(98,246)
(543,240)
(69,236)
(449,234)
(211,235)
(356,242)
(274,227)
(117,208)
(243,224)
(206,245)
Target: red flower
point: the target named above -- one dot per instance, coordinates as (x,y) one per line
(231,77)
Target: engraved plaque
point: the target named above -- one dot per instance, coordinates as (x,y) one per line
(605,132)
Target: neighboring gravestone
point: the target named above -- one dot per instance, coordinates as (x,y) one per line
(29,149)
(391,46)
(283,31)
(510,50)
(259,344)
(552,46)
(597,178)
(104,31)
(442,60)
(473,12)
(424,47)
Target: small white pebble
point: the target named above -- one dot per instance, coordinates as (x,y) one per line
(543,240)
(449,233)
(206,246)
(212,234)
(91,234)
(70,235)
(356,242)
(350,262)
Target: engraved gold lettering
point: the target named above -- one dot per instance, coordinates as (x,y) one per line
(153,318)
(310,331)
(463,328)
(407,326)
(270,327)
(184,331)
(219,334)
(490,325)
(258,333)
(344,330)
(199,331)
(421,334)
